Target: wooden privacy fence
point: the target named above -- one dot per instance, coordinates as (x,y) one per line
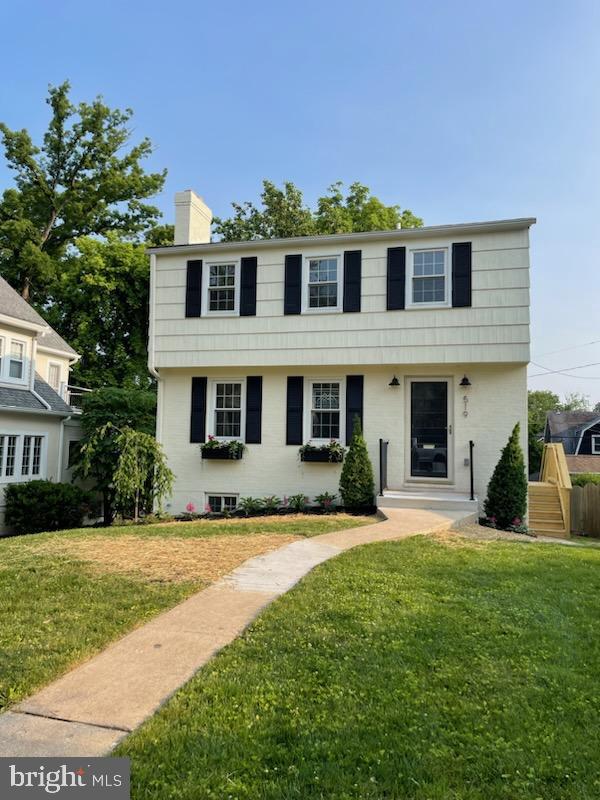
(585,509)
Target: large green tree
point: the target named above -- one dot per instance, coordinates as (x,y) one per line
(284,213)
(84,178)
(99,303)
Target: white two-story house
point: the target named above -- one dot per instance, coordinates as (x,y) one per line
(421,333)
(37,423)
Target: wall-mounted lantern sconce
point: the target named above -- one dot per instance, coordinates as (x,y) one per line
(465,382)
(394,382)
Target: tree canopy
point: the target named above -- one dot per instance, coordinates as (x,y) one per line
(284,213)
(85,178)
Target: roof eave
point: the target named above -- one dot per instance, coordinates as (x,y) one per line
(465,228)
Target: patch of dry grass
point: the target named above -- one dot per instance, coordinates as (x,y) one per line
(166,560)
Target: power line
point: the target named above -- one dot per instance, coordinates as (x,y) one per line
(566,371)
(564,349)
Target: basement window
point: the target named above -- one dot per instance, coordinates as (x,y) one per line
(218,503)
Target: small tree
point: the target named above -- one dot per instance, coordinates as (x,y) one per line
(357,486)
(507,490)
(142,476)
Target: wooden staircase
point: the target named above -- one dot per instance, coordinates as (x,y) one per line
(550,497)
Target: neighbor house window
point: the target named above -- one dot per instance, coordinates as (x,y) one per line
(596,445)
(217,503)
(31,459)
(227,411)
(323,283)
(429,280)
(54,376)
(222,289)
(325,411)
(16,360)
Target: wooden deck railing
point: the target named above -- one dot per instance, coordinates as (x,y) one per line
(554,470)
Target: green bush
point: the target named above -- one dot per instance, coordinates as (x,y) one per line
(506,502)
(357,486)
(39,506)
(583,478)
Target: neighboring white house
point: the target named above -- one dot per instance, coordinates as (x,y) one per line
(37,424)
(422,333)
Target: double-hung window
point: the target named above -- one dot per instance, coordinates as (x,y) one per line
(428,283)
(17,360)
(325,410)
(22,456)
(227,420)
(323,282)
(54,376)
(31,460)
(222,288)
(596,444)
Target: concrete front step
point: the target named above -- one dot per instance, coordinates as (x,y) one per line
(429,498)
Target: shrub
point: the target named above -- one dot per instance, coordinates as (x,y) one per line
(251,505)
(297,502)
(326,500)
(271,504)
(507,490)
(583,478)
(357,486)
(45,506)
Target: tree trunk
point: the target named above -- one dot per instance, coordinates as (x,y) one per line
(25,289)
(107,507)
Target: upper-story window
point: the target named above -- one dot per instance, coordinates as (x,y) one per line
(322,284)
(227,412)
(428,284)
(54,376)
(12,360)
(222,288)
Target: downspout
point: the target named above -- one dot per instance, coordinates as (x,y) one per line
(61,447)
(151,367)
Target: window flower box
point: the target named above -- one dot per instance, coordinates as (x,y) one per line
(224,451)
(332,453)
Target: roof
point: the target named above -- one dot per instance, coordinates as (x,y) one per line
(567,426)
(464,228)
(13,305)
(583,463)
(25,400)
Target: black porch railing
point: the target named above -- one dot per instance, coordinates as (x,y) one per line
(471,446)
(383,448)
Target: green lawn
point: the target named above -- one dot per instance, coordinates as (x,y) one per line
(56,608)
(416,669)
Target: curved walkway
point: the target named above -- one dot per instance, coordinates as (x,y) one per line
(91,708)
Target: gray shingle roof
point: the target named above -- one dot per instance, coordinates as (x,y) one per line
(13,305)
(23,399)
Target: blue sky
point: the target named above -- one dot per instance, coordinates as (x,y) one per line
(460,111)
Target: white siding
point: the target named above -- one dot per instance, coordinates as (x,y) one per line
(497,400)
(495,329)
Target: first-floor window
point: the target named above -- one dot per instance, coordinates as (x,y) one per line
(228,410)
(325,410)
(21,456)
(217,503)
(596,445)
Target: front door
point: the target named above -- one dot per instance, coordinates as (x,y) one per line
(429,429)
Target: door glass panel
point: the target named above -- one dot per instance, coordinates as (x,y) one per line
(429,429)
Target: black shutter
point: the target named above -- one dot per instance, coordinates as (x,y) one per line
(292,302)
(253,409)
(198,422)
(354,402)
(461,275)
(193,289)
(248,287)
(396,277)
(295,407)
(352,271)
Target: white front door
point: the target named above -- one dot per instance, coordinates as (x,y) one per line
(429,427)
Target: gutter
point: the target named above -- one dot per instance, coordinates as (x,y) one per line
(16,410)
(466,229)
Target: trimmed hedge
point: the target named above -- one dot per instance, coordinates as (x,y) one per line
(583,478)
(39,506)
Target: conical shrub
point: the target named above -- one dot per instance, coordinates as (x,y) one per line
(506,500)
(357,486)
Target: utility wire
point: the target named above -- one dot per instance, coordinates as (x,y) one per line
(564,349)
(566,371)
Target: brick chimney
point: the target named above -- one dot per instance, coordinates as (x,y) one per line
(192,219)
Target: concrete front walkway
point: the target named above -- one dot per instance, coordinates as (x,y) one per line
(91,708)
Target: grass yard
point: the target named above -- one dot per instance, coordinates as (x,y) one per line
(436,668)
(67,595)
